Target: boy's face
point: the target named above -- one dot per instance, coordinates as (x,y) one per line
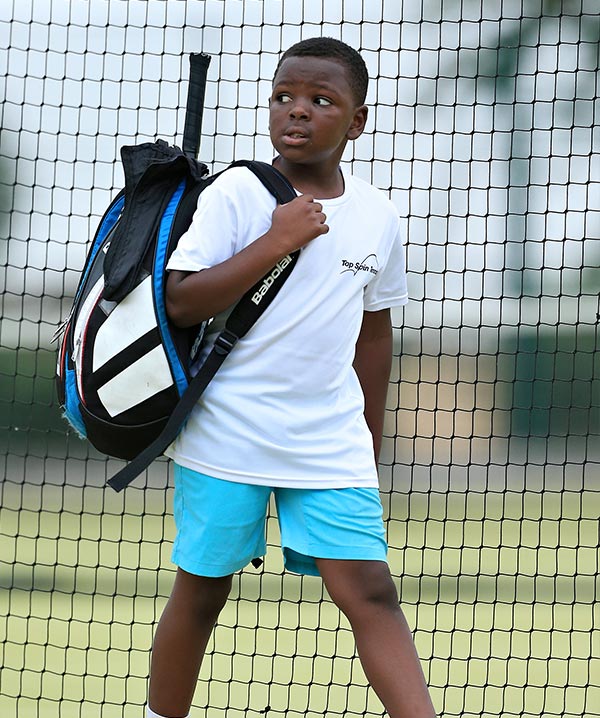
(313,112)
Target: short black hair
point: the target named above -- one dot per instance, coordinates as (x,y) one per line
(332,49)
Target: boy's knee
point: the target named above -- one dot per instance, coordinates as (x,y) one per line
(204,596)
(380,595)
(359,587)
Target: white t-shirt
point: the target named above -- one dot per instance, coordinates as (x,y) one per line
(286,406)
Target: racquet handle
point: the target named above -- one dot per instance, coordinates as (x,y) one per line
(199,63)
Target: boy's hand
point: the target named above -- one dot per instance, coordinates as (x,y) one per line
(195,296)
(297,223)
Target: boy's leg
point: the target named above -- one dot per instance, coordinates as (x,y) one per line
(365,592)
(180,641)
(220,528)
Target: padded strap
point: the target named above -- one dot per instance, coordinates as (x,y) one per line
(277,184)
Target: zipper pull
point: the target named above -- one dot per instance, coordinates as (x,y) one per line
(60,330)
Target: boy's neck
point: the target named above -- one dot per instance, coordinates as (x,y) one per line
(321,185)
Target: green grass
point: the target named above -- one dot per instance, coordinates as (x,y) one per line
(500,584)
(501,589)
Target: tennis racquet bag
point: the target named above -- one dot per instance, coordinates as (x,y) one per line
(124,377)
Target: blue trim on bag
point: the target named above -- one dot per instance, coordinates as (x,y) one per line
(111,217)
(71,405)
(160,260)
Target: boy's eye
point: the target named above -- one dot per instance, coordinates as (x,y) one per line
(284,98)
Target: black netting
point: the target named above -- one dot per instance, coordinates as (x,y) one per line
(484,130)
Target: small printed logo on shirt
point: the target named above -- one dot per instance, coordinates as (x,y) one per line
(368,264)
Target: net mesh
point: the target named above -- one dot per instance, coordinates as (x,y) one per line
(483,130)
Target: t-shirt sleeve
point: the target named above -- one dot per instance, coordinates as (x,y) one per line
(212,235)
(389,288)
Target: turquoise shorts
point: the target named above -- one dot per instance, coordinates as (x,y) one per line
(221,525)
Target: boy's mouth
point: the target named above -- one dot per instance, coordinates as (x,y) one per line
(295,137)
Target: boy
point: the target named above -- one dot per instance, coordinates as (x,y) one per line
(297,409)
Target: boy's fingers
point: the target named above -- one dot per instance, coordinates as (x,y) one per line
(318,208)
(306,215)
(308,198)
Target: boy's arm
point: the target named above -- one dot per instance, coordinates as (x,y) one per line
(192,297)
(373,363)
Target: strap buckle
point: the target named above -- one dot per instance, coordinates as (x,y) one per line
(225,342)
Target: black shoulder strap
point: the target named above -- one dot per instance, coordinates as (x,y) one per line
(278,185)
(242,318)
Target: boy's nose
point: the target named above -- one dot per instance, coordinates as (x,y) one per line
(299,111)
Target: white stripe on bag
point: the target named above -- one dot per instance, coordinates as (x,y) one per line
(129,320)
(138,382)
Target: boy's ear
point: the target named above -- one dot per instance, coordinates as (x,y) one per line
(358,122)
